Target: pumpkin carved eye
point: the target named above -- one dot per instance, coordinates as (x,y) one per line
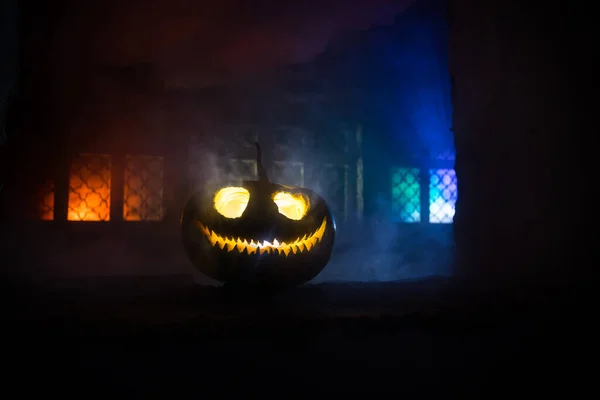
(231,202)
(292,206)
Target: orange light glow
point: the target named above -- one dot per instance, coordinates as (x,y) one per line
(45,209)
(89,188)
(251,246)
(293,206)
(231,202)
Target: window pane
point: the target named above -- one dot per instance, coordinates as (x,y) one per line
(443,193)
(89,188)
(288,173)
(240,170)
(143,190)
(406,193)
(333,186)
(45,201)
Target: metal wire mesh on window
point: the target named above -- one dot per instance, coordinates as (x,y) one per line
(143,190)
(288,173)
(89,188)
(443,193)
(406,193)
(333,186)
(45,201)
(240,170)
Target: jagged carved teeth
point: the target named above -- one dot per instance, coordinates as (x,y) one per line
(305,243)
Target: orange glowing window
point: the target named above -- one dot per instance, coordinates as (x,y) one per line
(45,202)
(89,188)
(143,191)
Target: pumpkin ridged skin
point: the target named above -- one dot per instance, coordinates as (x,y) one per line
(260,220)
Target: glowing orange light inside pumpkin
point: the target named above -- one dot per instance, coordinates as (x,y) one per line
(293,206)
(231,202)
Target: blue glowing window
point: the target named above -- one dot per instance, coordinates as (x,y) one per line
(442,195)
(406,192)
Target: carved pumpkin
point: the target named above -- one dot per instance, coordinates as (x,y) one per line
(258,234)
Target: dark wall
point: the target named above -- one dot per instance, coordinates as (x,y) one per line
(33,118)
(519,80)
(8,50)
(395,80)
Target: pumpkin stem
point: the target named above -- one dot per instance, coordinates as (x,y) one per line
(262,172)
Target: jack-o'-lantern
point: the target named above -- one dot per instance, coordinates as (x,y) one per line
(258,233)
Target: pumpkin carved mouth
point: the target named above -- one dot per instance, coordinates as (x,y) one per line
(243,245)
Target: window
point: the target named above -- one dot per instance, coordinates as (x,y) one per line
(143,188)
(89,188)
(443,193)
(333,183)
(360,201)
(288,173)
(406,194)
(240,170)
(45,201)
(203,164)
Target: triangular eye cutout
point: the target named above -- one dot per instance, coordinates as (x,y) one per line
(292,205)
(231,202)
